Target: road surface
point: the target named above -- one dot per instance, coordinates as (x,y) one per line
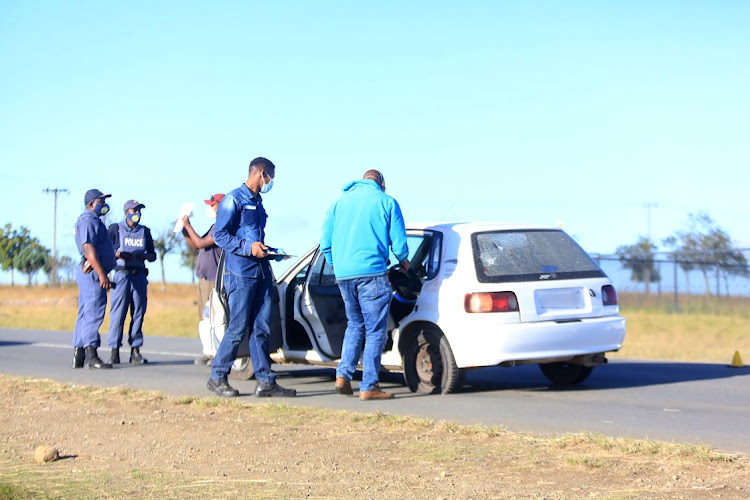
(695,403)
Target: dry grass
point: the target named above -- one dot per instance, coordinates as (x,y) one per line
(706,329)
(171,313)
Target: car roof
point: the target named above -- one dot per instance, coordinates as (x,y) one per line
(473,227)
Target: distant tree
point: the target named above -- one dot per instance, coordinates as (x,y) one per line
(33,258)
(66,270)
(12,241)
(188,258)
(706,246)
(164,242)
(639,258)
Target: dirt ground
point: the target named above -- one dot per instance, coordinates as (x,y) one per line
(118,443)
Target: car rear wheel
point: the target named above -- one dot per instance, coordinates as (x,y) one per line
(565,373)
(429,365)
(242,369)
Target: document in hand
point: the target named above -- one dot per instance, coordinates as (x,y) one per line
(187,209)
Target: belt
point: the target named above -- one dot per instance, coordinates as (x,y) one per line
(134,271)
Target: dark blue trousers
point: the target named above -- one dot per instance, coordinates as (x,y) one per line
(92,304)
(250,301)
(129,293)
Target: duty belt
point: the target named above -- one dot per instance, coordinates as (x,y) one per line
(133,270)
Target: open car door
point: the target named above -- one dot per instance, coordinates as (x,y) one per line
(323,308)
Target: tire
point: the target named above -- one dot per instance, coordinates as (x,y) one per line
(563,374)
(242,369)
(429,365)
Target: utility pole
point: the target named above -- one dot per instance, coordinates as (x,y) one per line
(56,192)
(649,206)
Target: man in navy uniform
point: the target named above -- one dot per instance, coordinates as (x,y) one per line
(133,246)
(248,282)
(97,260)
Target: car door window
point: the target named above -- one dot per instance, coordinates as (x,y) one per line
(424,254)
(433,262)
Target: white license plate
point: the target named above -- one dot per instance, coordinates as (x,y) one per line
(561,298)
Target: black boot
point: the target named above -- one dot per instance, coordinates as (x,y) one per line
(136,358)
(93,361)
(222,388)
(79,356)
(114,358)
(273,390)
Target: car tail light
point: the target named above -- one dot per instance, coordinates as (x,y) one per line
(609,295)
(490,302)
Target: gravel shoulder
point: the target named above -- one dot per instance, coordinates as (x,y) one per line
(115,443)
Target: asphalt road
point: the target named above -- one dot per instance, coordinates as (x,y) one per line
(693,403)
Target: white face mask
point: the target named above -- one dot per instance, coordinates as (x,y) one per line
(210,212)
(265,187)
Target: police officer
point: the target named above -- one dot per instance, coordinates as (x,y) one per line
(133,246)
(97,260)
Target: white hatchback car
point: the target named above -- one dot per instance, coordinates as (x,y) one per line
(480,295)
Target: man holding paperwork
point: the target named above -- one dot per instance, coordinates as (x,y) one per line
(248,282)
(208,257)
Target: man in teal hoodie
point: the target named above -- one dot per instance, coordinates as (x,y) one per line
(358,230)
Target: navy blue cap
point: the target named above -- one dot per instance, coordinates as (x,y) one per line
(133,204)
(93,194)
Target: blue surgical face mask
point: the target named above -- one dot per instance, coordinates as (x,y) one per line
(100,210)
(134,218)
(266,187)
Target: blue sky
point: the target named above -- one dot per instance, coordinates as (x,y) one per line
(578,113)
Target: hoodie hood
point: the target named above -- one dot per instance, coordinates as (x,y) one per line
(361,182)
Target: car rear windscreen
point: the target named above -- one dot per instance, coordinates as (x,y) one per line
(530,255)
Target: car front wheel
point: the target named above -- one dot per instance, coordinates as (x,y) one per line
(242,369)
(429,365)
(565,373)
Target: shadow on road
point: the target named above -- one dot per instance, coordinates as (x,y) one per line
(12,343)
(617,375)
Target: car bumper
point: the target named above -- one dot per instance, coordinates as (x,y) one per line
(490,344)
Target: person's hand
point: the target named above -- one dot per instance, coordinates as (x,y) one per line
(124,255)
(185,220)
(405,265)
(104,282)
(140,256)
(259,250)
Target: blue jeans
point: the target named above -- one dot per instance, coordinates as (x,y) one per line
(250,301)
(367,302)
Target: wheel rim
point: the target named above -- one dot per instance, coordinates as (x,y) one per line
(240,364)
(428,364)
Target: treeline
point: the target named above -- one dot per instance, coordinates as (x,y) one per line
(22,252)
(702,245)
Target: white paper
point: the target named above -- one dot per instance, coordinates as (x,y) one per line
(187,209)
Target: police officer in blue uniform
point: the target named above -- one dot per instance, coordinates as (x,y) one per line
(97,260)
(248,283)
(133,246)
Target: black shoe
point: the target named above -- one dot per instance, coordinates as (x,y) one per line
(79,356)
(222,388)
(136,358)
(114,358)
(93,361)
(273,390)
